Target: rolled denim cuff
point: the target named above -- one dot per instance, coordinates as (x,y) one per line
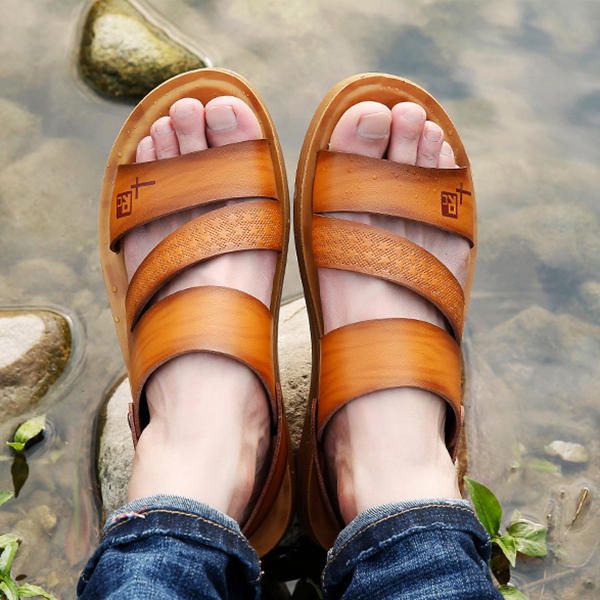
(178,517)
(381,526)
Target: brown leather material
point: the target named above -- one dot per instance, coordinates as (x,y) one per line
(352,183)
(351,246)
(144,192)
(131,421)
(203,319)
(246,171)
(381,354)
(344,361)
(248,225)
(280,451)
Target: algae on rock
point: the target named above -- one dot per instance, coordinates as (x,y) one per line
(123,54)
(35,347)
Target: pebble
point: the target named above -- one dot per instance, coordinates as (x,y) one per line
(568,451)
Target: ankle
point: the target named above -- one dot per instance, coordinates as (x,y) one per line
(361,489)
(208,434)
(389,447)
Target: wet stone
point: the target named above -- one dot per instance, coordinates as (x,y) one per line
(568,451)
(560,252)
(48,191)
(34,349)
(115,453)
(21,130)
(123,54)
(44,515)
(589,294)
(550,361)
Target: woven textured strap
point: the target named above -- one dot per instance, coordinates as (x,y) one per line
(369,356)
(352,183)
(351,246)
(144,192)
(202,319)
(248,225)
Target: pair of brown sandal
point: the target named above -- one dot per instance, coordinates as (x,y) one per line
(348,362)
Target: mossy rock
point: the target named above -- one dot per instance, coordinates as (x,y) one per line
(34,349)
(124,55)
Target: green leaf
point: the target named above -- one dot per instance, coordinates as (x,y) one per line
(508,546)
(18,446)
(530,537)
(28,590)
(486,505)
(7,557)
(511,593)
(9,588)
(27,431)
(8,538)
(5,497)
(542,465)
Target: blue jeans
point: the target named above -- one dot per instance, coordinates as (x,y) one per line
(168,547)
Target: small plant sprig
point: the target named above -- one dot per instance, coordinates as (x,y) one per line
(26,433)
(521,536)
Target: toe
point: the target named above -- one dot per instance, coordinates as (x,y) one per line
(145,150)
(447,160)
(363,129)
(164,138)
(408,120)
(430,144)
(187,118)
(230,120)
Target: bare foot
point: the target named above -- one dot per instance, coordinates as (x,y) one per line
(389,446)
(209,417)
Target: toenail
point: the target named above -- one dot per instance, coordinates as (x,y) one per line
(446,150)
(162,127)
(412,113)
(146,143)
(221,118)
(184,109)
(433,133)
(375,126)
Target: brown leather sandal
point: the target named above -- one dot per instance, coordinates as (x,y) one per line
(202,319)
(364,357)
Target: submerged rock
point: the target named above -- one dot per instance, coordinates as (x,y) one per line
(50,194)
(550,361)
(21,130)
(123,54)
(568,451)
(116,450)
(555,248)
(45,516)
(589,294)
(34,349)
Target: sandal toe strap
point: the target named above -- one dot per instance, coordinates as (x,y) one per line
(145,192)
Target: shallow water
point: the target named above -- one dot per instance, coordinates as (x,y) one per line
(522,83)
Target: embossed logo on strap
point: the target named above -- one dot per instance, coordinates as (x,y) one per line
(125,199)
(450,201)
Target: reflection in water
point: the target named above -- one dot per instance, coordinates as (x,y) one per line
(521,81)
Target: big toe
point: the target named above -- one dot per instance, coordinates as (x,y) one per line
(230,120)
(363,129)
